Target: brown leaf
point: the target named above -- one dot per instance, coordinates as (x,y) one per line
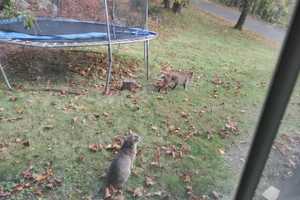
(189,189)
(221,151)
(156,161)
(81,158)
(4,194)
(113,147)
(13,98)
(44,176)
(215,195)
(184,115)
(152,194)
(40,177)
(186,177)
(20,187)
(19,111)
(48,127)
(27,174)
(107,193)
(95,147)
(105,114)
(18,140)
(26,143)
(217,80)
(154,128)
(149,181)
(75,120)
(232,126)
(138,192)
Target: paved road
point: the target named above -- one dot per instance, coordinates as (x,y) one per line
(290,187)
(268,31)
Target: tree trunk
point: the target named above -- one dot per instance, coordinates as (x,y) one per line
(235,3)
(243,16)
(177,7)
(167,4)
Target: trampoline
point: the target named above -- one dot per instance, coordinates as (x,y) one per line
(61,32)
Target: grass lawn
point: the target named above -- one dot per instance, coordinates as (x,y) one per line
(232,72)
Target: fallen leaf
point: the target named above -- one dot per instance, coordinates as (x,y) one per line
(149,181)
(184,115)
(231,125)
(26,143)
(19,111)
(160,97)
(18,140)
(13,98)
(20,187)
(138,192)
(221,151)
(189,189)
(186,177)
(105,114)
(75,120)
(4,194)
(113,147)
(48,127)
(44,176)
(154,128)
(217,80)
(215,195)
(27,174)
(95,147)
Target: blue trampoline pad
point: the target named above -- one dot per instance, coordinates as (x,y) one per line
(67,32)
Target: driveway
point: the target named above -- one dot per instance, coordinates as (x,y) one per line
(264,29)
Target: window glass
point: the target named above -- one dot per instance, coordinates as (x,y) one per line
(190,79)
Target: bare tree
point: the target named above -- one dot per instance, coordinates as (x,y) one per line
(167,4)
(245,10)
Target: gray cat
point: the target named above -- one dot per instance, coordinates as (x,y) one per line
(120,168)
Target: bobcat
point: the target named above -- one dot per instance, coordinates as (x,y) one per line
(120,168)
(175,77)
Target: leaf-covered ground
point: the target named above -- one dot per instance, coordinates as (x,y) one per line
(57,145)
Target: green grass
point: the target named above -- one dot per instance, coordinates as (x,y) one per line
(192,41)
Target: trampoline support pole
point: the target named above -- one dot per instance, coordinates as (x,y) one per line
(146,57)
(146,43)
(5,77)
(109,52)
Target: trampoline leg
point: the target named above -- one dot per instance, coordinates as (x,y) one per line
(109,69)
(109,51)
(5,77)
(146,57)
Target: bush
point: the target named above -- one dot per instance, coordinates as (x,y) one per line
(269,10)
(10,11)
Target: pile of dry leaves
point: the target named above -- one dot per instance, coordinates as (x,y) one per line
(54,64)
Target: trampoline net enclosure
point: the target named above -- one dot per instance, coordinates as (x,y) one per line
(77,23)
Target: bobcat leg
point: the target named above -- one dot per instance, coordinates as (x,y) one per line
(176,83)
(185,85)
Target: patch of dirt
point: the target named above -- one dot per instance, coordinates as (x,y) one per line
(58,65)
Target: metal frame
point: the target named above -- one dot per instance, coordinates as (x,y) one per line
(283,83)
(108,42)
(146,43)
(109,47)
(5,77)
(109,51)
